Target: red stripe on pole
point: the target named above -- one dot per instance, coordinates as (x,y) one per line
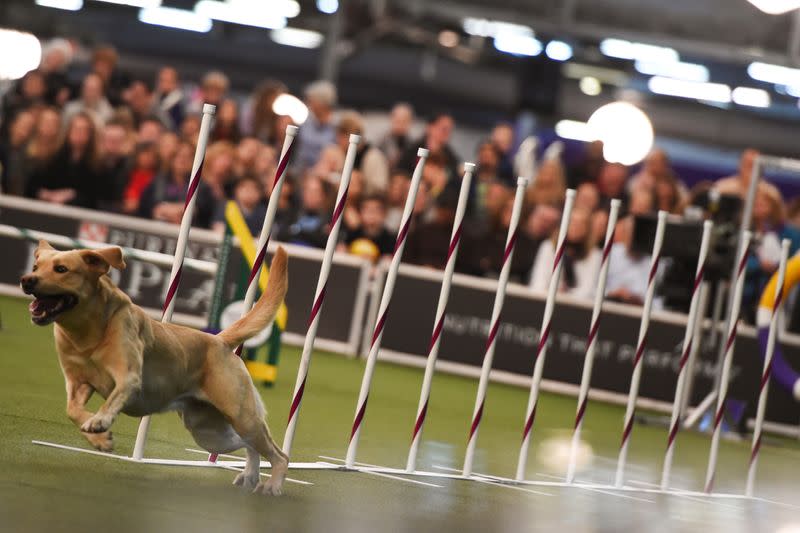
(194,182)
(654,268)
(778,301)
(173,288)
(420,420)
(437,331)
(401,237)
(359,418)
(756,449)
(765,377)
(454,243)
(297,399)
(543,339)
(559,255)
(673,433)
(258,263)
(510,246)
(476,421)
(315,309)
(378,329)
(212,458)
(581,412)
(529,422)
(337,213)
(628,429)
(698,279)
(282,165)
(640,350)
(720,413)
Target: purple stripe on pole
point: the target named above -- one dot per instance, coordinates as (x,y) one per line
(317,304)
(529,421)
(476,421)
(297,399)
(581,412)
(420,419)
(193,184)
(359,418)
(282,165)
(437,331)
(173,288)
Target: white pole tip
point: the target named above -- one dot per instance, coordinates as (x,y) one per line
(423,152)
(291,130)
(708,224)
(522,181)
(662,215)
(570,193)
(616,202)
(355,139)
(209,108)
(469,167)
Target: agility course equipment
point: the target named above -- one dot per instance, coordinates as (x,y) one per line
(483,384)
(388,288)
(544,333)
(436,336)
(591,342)
(319,295)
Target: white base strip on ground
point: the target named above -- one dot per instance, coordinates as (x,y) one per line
(375,470)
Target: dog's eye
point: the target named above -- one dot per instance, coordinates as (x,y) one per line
(34,268)
(61,269)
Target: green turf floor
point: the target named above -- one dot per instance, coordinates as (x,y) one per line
(45,489)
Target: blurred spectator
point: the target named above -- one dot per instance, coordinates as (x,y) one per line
(490,199)
(611,184)
(436,139)
(369,160)
(164,198)
(167,147)
(550,186)
(140,100)
(46,139)
(434,175)
(329,165)
(150,130)
(92,101)
(244,163)
(656,165)
(104,64)
(265,166)
(213,89)
(318,130)
(370,239)
(13,160)
(71,176)
(189,130)
(145,167)
(168,98)
(428,243)
(793,213)
(589,166)
(541,224)
(258,118)
(351,216)
(395,199)
(56,57)
(487,167)
(226,122)
(115,164)
(503,139)
(739,183)
(587,196)
(218,169)
(581,260)
(28,93)
(248,194)
(309,225)
(397,139)
(669,195)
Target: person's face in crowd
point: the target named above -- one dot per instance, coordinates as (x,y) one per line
(503,137)
(313,194)
(49,124)
(79,133)
(579,227)
(55,60)
(657,163)
(435,176)
(287,193)
(22,128)
(497,196)
(213,93)
(266,164)
(439,132)
(33,85)
(587,196)
(356,187)
(317,107)
(507,210)
(103,68)
(246,153)
(147,160)
(401,120)
(114,140)
(150,131)
(746,163)
(92,89)
(190,128)
(373,216)
(641,202)
(487,157)
(421,201)
(549,175)
(167,80)
(167,146)
(763,208)
(182,163)
(248,194)
(398,189)
(599,225)
(228,112)
(331,161)
(612,179)
(543,221)
(665,193)
(221,166)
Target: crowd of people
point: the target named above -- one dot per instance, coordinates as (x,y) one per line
(90,135)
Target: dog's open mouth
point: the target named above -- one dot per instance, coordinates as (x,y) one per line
(46,307)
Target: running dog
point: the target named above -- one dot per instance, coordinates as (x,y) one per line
(108,345)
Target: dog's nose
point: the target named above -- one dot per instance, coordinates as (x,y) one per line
(28,283)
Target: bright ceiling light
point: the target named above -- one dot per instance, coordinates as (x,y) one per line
(171,17)
(518,44)
(291,8)
(291,106)
(558,51)
(26,57)
(777,74)
(625,130)
(297,37)
(751,97)
(673,69)
(590,86)
(328,6)
(68,5)
(133,3)
(244,12)
(492,28)
(776,7)
(622,49)
(577,131)
(709,92)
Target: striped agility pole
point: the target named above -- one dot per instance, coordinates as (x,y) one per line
(544,334)
(386,297)
(591,341)
(688,341)
(483,384)
(636,378)
(767,373)
(436,336)
(180,247)
(319,295)
(722,394)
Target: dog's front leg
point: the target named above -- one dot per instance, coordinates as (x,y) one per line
(78,395)
(127,376)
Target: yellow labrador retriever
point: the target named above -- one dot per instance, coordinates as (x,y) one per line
(140,366)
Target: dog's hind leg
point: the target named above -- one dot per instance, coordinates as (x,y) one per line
(250,476)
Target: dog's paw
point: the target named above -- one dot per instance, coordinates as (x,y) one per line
(270,487)
(99,423)
(101,441)
(246,480)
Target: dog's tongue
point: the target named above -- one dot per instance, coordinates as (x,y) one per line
(43,304)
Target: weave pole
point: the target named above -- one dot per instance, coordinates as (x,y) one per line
(591,341)
(319,295)
(483,384)
(688,341)
(722,393)
(637,361)
(386,297)
(767,373)
(436,336)
(180,248)
(544,334)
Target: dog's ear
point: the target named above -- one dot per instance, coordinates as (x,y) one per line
(43,246)
(103,259)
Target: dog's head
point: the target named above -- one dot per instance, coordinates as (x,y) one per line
(62,280)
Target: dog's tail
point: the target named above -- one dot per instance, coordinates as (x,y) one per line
(266,307)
